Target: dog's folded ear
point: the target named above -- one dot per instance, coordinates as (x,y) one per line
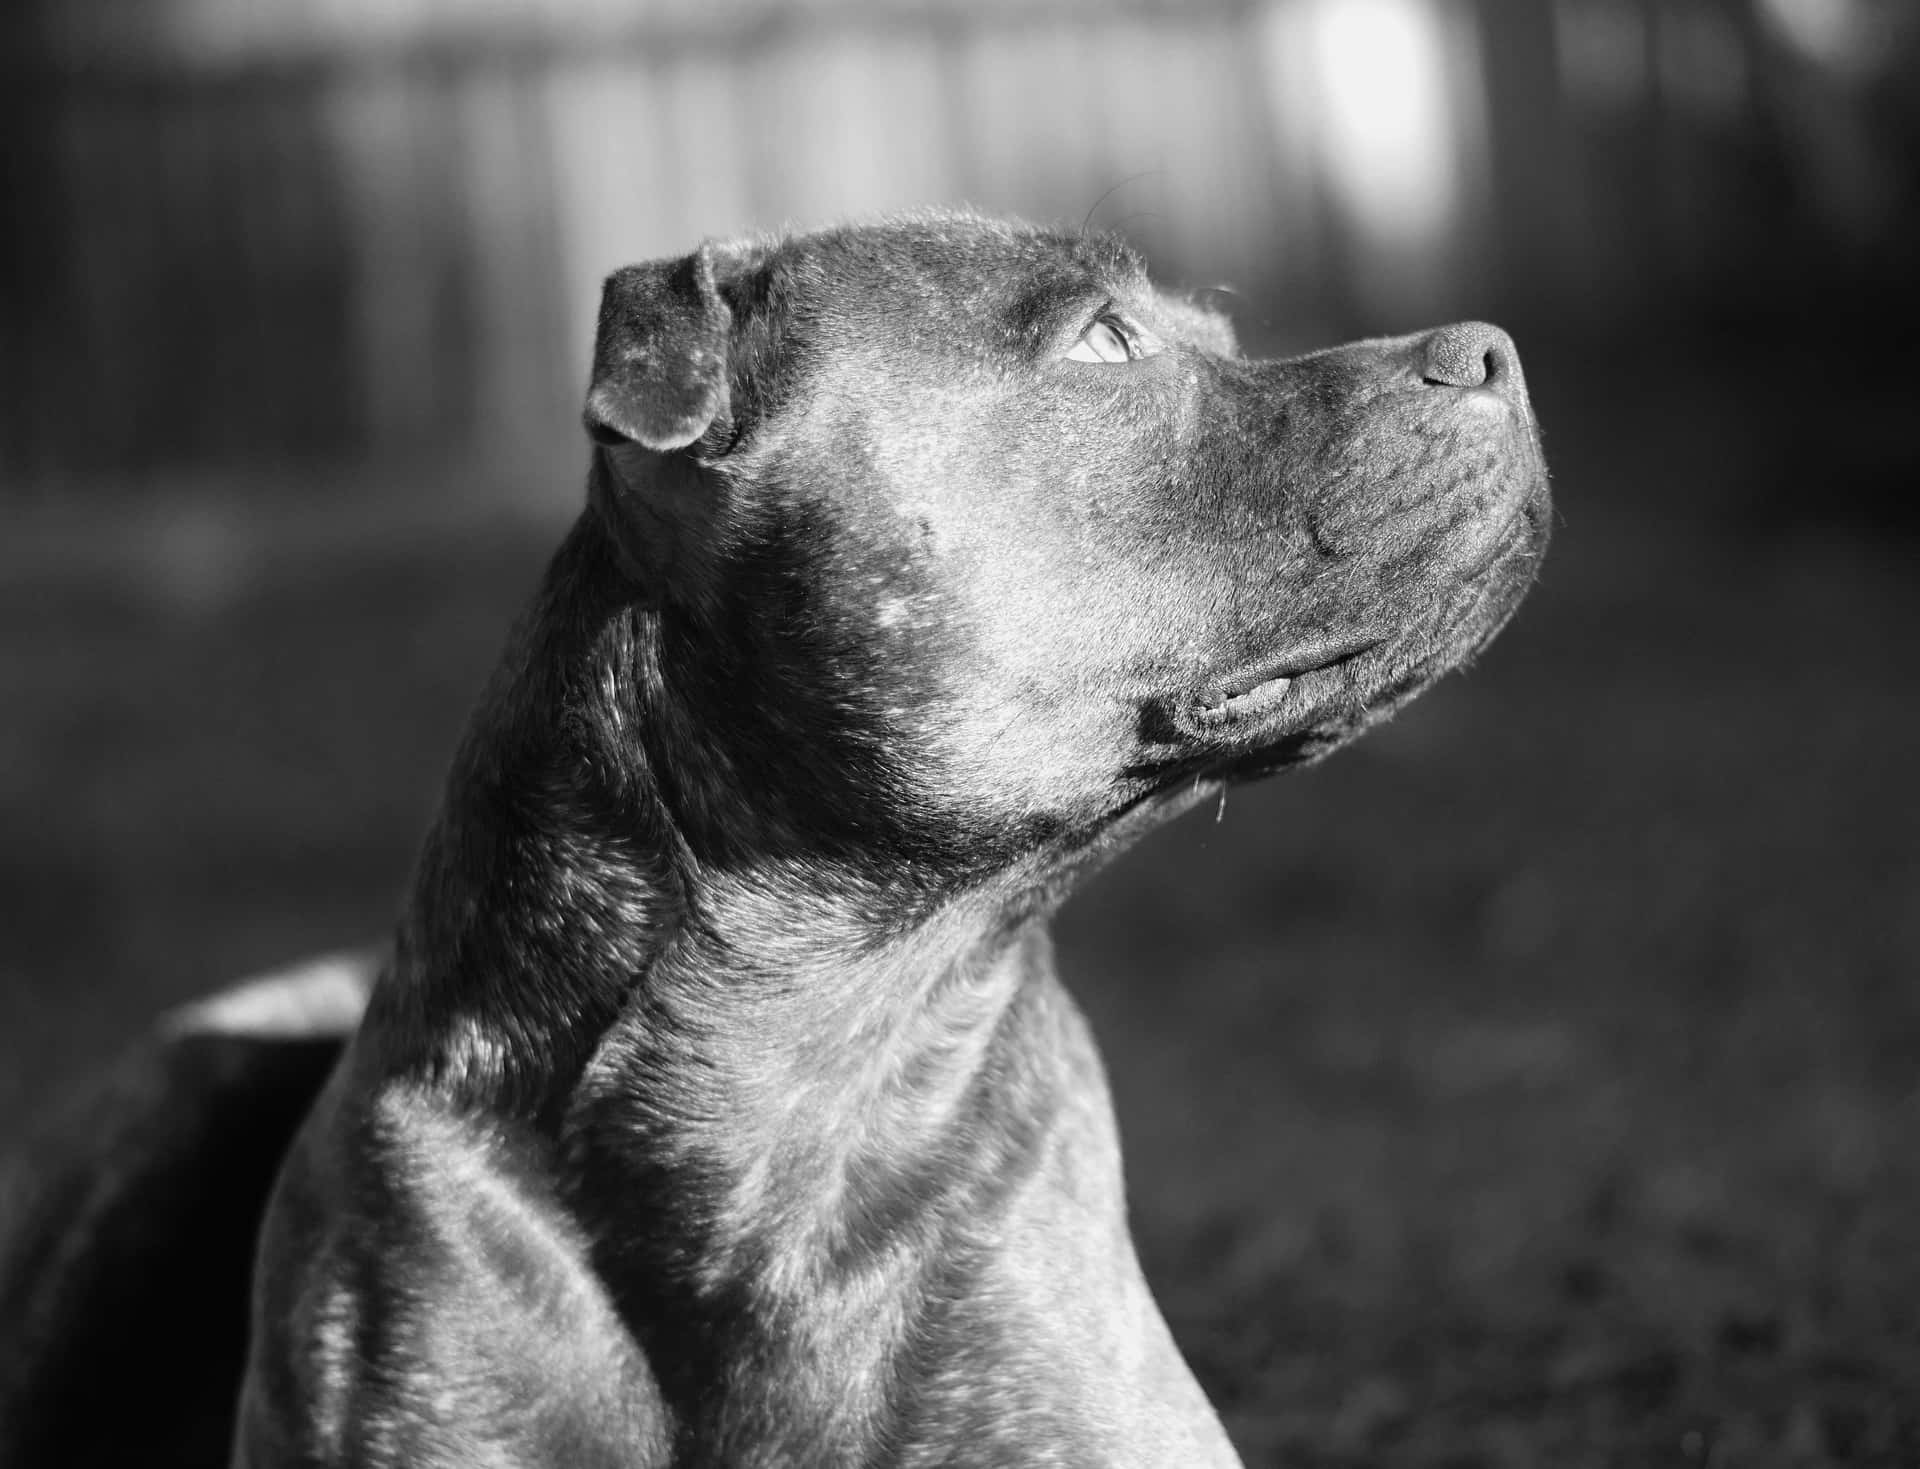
(660,356)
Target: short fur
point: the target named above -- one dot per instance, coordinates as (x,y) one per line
(720,1104)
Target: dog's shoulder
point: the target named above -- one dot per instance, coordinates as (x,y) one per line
(436,1301)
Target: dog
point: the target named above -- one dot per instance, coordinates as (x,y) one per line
(719,1103)
(128,1215)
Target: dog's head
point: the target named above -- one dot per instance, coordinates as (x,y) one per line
(966,540)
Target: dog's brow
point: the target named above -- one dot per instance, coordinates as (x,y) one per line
(1113,257)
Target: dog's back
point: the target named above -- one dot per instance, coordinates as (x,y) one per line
(127,1221)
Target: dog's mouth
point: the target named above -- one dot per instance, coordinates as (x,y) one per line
(1316,694)
(1252,695)
(1287,712)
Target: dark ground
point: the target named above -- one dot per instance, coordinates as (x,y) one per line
(1534,1084)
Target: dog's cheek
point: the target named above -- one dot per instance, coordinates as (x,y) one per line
(995,712)
(1026,763)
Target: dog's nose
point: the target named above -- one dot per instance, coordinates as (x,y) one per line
(1473,354)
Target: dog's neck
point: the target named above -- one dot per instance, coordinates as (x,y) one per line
(577,869)
(566,906)
(764,1089)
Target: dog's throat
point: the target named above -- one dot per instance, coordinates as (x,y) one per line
(831,1114)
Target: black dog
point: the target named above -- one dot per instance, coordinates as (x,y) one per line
(720,1105)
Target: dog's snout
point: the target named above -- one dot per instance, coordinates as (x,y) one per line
(1472,354)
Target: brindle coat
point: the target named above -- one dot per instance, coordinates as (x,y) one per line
(719,1104)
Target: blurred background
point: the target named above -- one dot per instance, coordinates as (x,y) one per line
(1536,1083)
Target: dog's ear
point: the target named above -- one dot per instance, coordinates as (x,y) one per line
(660,356)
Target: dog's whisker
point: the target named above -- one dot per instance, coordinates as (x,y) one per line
(1132,178)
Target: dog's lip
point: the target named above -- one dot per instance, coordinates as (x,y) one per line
(1520,524)
(1255,691)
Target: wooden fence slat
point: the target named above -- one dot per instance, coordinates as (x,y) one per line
(378,226)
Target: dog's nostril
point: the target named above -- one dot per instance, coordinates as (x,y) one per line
(1470,354)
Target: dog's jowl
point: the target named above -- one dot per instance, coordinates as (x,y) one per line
(719,1104)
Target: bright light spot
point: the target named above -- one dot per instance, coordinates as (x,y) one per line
(1386,116)
(1837,33)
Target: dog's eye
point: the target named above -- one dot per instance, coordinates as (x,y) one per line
(1105,341)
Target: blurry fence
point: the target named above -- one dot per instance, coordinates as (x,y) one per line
(241,234)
